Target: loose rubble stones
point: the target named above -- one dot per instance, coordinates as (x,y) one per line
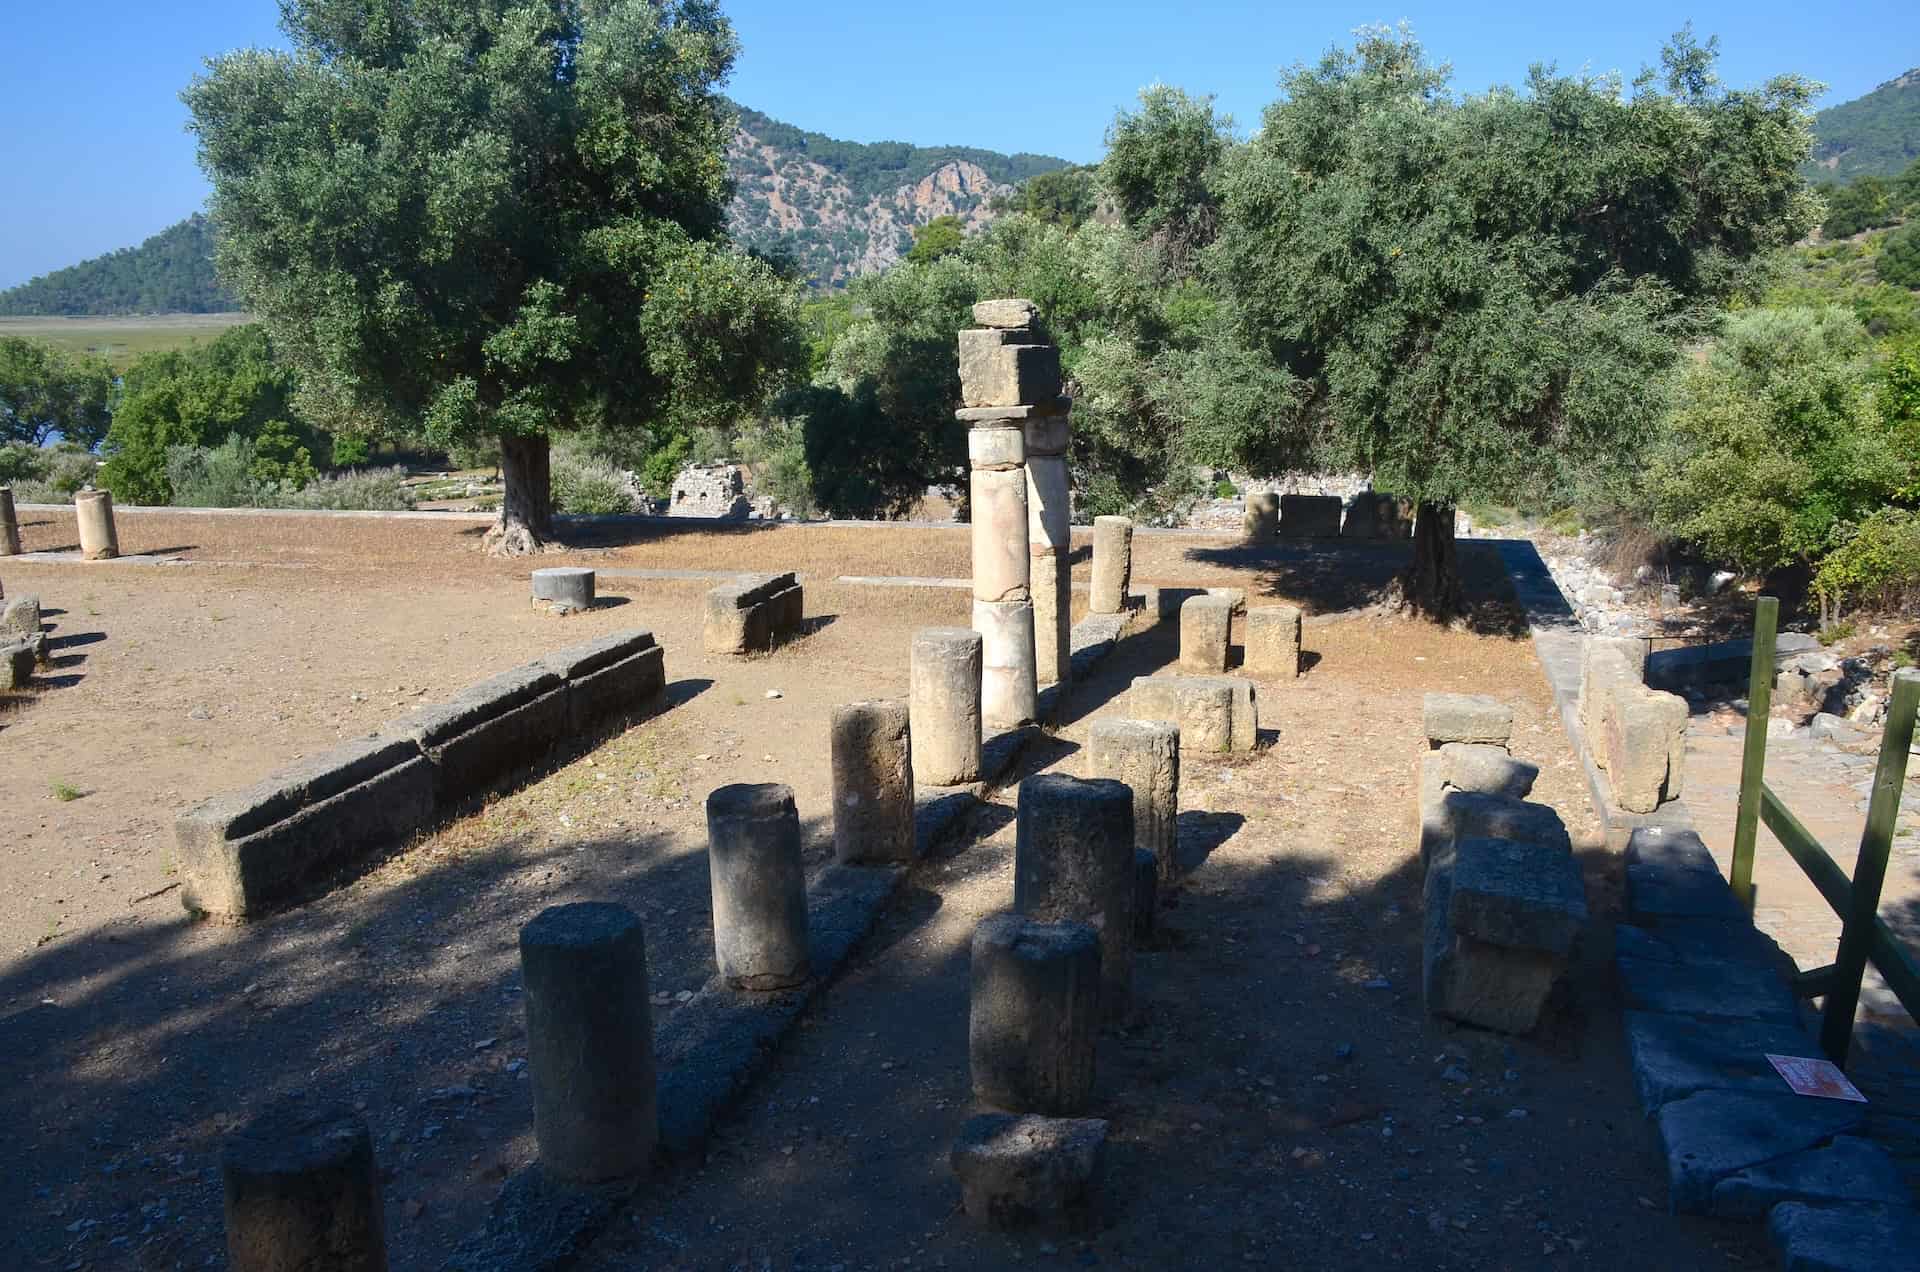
(1022,1171)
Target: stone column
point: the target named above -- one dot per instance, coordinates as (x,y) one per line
(563,589)
(94,511)
(1008,375)
(1034,1014)
(1273,641)
(1049,539)
(1073,859)
(589,1041)
(1145,754)
(1112,564)
(1262,522)
(9,524)
(872,782)
(1206,633)
(944,705)
(303,1194)
(759,886)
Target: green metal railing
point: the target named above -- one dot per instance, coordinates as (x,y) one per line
(1864,936)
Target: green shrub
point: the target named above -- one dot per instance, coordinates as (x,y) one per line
(1834,633)
(776,451)
(1875,564)
(1224,489)
(368,490)
(1899,261)
(217,477)
(350,450)
(475,452)
(45,474)
(587,487)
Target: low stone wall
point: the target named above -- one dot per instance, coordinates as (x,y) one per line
(752,613)
(248,852)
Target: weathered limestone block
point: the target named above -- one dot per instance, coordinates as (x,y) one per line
(589,1041)
(1466,717)
(1608,664)
(488,731)
(716,490)
(1645,744)
(1002,567)
(944,705)
(1206,626)
(872,782)
(1144,754)
(1034,1015)
(1310,516)
(1517,895)
(20,617)
(1475,981)
(609,678)
(563,589)
(1073,860)
(751,613)
(1215,713)
(93,509)
(1006,313)
(16,663)
(302,1193)
(248,851)
(1009,694)
(9,524)
(1262,521)
(1112,564)
(1146,895)
(1273,642)
(1021,1171)
(1485,769)
(759,886)
(1002,367)
(1457,815)
(1373,515)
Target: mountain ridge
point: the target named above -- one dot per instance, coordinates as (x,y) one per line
(831,209)
(1875,134)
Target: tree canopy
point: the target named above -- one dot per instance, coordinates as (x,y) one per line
(45,394)
(499,218)
(1476,295)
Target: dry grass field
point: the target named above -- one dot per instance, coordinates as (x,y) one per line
(121,340)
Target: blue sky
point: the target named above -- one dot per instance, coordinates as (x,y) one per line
(97,156)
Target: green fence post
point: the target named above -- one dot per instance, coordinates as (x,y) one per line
(1870,871)
(1753,755)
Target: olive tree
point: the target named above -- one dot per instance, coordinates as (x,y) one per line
(494,218)
(1474,296)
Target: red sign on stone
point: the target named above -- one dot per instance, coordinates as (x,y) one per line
(1820,1078)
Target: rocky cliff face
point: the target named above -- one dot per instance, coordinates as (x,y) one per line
(786,202)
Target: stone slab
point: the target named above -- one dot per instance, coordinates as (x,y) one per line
(1670,848)
(1683,940)
(577,661)
(1841,1238)
(1466,717)
(616,690)
(1661,892)
(1712,1135)
(1718,987)
(482,757)
(1517,895)
(1486,769)
(239,813)
(476,704)
(1470,815)
(710,1048)
(1673,1057)
(1850,1169)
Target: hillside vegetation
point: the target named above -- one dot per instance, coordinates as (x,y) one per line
(1875,135)
(170,273)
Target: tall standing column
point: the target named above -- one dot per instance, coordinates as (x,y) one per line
(93,509)
(1049,518)
(1007,375)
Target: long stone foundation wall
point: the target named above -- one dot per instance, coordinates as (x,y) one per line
(254,850)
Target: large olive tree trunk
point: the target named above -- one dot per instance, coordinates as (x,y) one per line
(526,509)
(1431,584)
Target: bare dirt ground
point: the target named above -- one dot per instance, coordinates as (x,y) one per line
(131,1039)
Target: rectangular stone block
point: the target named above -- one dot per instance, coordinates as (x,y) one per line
(507,722)
(1486,769)
(247,852)
(1608,664)
(746,614)
(1706,987)
(1468,980)
(579,661)
(1644,742)
(1672,1057)
(1462,815)
(1517,895)
(617,690)
(1206,624)
(1466,717)
(1713,1135)
(1195,703)
(996,371)
(1310,516)
(1273,642)
(1373,515)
